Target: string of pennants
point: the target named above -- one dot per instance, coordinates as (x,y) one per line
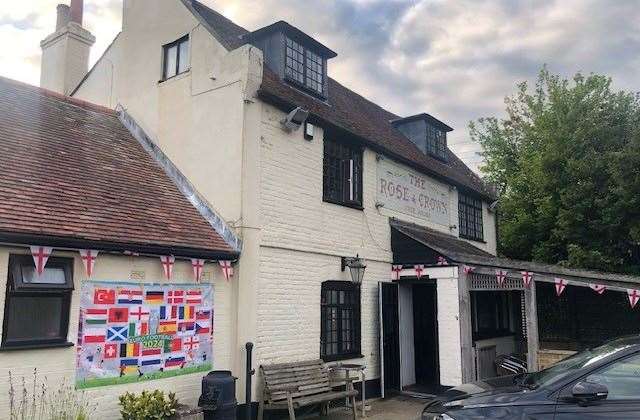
(41,255)
(527,278)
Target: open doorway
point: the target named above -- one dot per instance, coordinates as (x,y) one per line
(425,337)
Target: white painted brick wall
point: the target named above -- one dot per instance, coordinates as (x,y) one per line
(449,332)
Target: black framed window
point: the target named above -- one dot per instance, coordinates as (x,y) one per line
(340,321)
(304,67)
(175,58)
(36,310)
(495,314)
(470,217)
(436,142)
(342,173)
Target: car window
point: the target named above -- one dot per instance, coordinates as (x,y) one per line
(622,378)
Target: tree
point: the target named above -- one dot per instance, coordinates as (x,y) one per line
(566,162)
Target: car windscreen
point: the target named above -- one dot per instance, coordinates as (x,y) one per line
(574,363)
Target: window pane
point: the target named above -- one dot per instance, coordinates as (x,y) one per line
(183,64)
(34,318)
(53,275)
(622,379)
(170,60)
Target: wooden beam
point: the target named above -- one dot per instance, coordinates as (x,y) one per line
(531,311)
(466,338)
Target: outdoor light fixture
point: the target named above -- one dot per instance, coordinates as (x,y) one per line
(356,268)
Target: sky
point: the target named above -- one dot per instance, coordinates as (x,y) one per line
(454,59)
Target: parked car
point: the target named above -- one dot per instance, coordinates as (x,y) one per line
(599,383)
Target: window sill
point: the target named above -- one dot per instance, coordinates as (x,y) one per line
(343,204)
(175,77)
(480,241)
(342,357)
(5,347)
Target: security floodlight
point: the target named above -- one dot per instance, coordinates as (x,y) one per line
(295,119)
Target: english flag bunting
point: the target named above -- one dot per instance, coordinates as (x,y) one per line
(419,270)
(468,270)
(442,260)
(501,276)
(227,269)
(598,288)
(395,270)
(198,266)
(40,255)
(527,276)
(561,284)
(634,295)
(167,265)
(89,257)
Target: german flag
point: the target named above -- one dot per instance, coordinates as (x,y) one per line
(154,297)
(167,327)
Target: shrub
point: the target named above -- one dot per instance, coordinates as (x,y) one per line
(148,406)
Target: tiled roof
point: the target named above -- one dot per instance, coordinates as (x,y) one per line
(72,175)
(347,110)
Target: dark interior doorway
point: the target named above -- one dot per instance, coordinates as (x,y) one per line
(391,338)
(425,315)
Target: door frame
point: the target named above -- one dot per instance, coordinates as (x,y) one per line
(381,285)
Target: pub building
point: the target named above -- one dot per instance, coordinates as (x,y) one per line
(309,179)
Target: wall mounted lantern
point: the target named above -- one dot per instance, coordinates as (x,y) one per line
(356,268)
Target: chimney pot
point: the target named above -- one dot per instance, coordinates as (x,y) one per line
(64,16)
(77,7)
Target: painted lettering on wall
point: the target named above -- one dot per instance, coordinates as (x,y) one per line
(409,192)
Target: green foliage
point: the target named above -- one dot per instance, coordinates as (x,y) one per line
(148,406)
(566,160)
(35,401)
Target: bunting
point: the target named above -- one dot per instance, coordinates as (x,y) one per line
(561,284)
(598,288)
(167,265)
(227,269)
(501,276)
(40,256)
(442,260)
(634,295)
(89,257)
(468,270)
(396,270)
(198,267)
(419,270)
(527,276)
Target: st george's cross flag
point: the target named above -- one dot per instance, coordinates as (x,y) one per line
(198,268)
(527,276)
(598,288)
(634,295)
(419,270)
(227,269)
(396,270)
(501,276)
(167,265)
(40,256)
(468,270)
(88,257)
(561,284)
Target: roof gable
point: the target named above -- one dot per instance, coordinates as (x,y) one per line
(72,174)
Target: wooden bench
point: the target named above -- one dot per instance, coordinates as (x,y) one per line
(294,385)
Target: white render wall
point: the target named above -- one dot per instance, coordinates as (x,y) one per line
(58,365)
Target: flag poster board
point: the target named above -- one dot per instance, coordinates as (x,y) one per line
(136,332)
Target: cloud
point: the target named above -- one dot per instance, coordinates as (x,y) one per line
(453,59)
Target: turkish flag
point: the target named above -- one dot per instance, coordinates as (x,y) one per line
(117,315)
(104,297)
(110,351)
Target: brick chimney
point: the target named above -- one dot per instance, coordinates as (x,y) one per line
(65,53)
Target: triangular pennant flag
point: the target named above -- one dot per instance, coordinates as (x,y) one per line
(468,270)
(89,257)
(634,295)
(396,270)
(561,284)
(198,267)
(598,288)
(40,256)
(527,276)
(442,260)
(501,276)
(227,269)
(419,270)
(167,265)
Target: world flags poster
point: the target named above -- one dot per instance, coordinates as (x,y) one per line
(136,332)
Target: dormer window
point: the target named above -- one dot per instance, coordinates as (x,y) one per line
(294,56)
(427,133)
